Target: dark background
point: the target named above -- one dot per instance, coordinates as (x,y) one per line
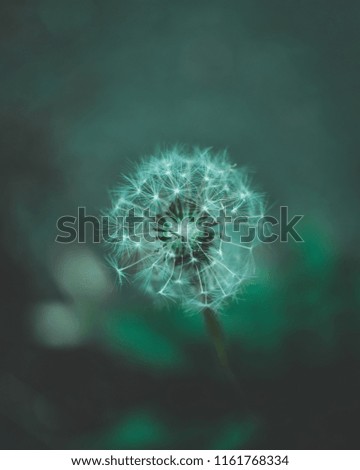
(87,88)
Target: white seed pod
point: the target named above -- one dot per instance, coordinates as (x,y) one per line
(179,224)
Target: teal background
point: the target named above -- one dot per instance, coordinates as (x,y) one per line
(87,88)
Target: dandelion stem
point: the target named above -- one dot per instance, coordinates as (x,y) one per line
(217,335)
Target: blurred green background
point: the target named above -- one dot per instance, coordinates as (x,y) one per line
(88,87)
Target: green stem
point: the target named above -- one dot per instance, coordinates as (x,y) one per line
(217,335)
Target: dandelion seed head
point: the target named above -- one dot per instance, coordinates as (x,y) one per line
(180,253)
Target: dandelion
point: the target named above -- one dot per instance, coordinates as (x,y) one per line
(180,222)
